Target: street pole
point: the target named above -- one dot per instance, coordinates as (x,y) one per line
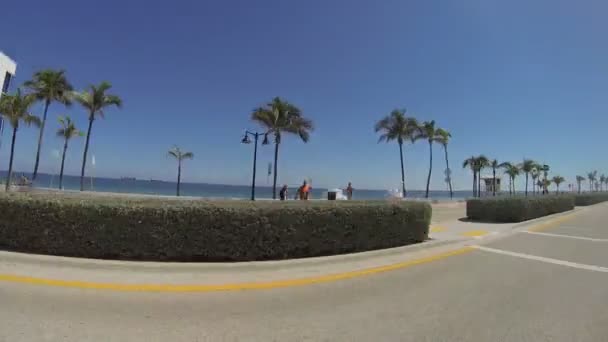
(255,159)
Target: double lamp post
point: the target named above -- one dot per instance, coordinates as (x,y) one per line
(246,140)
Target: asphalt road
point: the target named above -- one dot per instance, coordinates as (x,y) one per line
(551,286)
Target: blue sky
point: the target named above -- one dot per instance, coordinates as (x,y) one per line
(509,79)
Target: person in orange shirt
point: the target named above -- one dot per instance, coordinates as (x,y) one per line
(304,191)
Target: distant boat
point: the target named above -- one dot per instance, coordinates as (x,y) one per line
(128,179)
(155,180)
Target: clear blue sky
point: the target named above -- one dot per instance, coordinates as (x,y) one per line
(509,79)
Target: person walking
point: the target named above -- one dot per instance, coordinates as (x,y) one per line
(283,193)
(349,191)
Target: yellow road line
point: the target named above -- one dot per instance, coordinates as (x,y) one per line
(553,223)
(475,233)
(438,229)
(227,287)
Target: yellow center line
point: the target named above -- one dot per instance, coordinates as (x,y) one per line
(228,287)
(475,233)
(438,229)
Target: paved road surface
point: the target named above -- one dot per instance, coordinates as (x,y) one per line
(551,286)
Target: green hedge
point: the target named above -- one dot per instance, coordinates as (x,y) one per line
(196,230)
(589,199)
(517,209)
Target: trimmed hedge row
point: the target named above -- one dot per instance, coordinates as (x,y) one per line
(517,209)
(590,199)
(195,230)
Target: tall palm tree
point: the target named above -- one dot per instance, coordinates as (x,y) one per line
(494,165)
(526,167)
(481,162)
(67,131)
(396,126)
(180,156)
(443,138)
(48,86)
(429,132)
(579,181)
(591,176)
(512,171)
(16,109)
(95,100)
(602,181)
(278,117)
(535,174)
(545,169)
(470,162)
(558,180)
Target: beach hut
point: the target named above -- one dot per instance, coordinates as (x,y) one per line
(488,183)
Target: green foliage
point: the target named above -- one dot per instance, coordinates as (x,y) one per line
(68,129)
(95,99)
(279,116)
(397,126)
(16,109)
(180,155)
(590,199)
(193,230)
(517,209)
(50,85)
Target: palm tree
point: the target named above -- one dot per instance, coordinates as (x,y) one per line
(526,167)
(428,131)
(95,100)
(591,176)
(48,86)
(481,162)
(545,169)
(443,138)
(602,181)
(396,126)
(494,165)
(544,184)
(470,162)
(558,180)
(535,174)
(579,182)
(67,131)
(278,117)
(16,109)
(179,155)
(512,171)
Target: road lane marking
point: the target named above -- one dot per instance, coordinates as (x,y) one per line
(228,287)
(553,223)
(543,259)
(475,233)
(438,229)
(567,236)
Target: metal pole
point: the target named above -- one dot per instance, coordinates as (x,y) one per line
(255,157)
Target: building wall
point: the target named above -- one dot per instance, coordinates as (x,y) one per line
(8,68)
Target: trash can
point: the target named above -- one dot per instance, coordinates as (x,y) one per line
(331,195)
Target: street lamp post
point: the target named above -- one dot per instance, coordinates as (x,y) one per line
(246,140)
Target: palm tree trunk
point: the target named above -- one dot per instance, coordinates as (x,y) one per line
(65,148)
(557,188)
(449,172)
(276,158)
(474,183)
(86,151)
(179,175)
(479,184)
(46,109)
(10,164)
(526,184)
(493,181)
(428,179)
(513,180)
(402,170)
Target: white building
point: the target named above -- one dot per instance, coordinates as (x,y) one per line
(7,71)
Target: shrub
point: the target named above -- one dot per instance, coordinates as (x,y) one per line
(589,199)
(517,209)
(196,230)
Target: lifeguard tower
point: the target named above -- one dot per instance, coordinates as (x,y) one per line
(489,185)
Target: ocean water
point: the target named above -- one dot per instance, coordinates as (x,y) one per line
(220,191)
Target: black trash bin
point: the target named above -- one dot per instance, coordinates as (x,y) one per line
(331,195)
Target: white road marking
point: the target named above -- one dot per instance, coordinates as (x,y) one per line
(543,259)
(567,236)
